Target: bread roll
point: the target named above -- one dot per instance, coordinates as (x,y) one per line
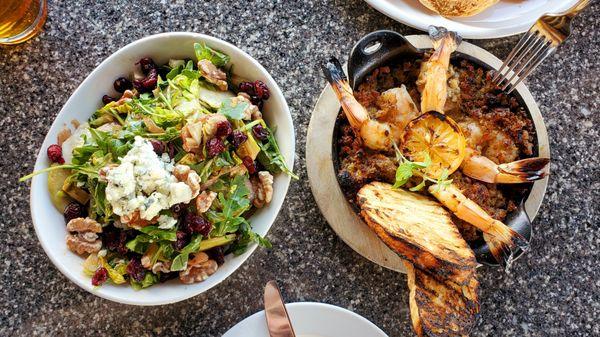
(458,7)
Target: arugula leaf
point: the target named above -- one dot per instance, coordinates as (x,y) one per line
(270,156)
(180,261)
(140,243)
(191,74)
(247,237)
(160,234)
(216,242)
(234,203)
(99,207)
(174,72)
(233,111)
(204,52)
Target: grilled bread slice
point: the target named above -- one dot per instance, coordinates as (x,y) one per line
(418,229)
(437,309)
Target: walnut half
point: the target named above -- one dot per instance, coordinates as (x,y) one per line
(205,200)
(198,269)
(185,174)
(213,74)
(263,189)
(83,236)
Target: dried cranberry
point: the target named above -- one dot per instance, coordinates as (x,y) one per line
(182,241)
(107,99)
(147,64)
(260,132)
(214,147)
(247,87)
(217,255)
(194,223)
(164,277)
(72,211)
(260,105)
(115,240)
(55,154)
(121,84)
(177,209)
(261,90)
(249,163)
(223,129)
(135,269)
(237,138)
(255,99)
(100,276)
(148,83)
(157,146)
(171,150)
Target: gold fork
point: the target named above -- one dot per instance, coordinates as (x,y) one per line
(539,42)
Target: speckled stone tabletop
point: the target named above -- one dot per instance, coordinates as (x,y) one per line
(553,291)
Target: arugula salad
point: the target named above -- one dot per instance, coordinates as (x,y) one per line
(160,182)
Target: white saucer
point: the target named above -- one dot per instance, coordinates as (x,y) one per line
(311,319)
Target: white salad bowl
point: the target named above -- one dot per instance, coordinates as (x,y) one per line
(49,223)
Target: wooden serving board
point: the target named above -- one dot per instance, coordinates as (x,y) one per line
(328,194)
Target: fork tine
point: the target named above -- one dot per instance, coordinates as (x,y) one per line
(534,43)
(512,54)
(542,57)
(521,67)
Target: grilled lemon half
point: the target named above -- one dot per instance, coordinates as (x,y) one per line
(438,136)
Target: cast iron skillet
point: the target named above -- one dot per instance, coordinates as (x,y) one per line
(384,47)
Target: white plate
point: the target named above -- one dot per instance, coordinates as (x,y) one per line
(507,17)
(49,223)
(311,319)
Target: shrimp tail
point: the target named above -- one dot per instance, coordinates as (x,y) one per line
(440,37)
(334,73)
(503,243)
(521,171)
(357,115)
(524,170)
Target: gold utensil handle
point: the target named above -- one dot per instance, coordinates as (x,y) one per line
(580,5)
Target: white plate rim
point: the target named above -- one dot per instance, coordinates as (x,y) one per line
(394,11)
(294,307)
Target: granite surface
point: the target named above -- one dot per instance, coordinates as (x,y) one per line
(553,291)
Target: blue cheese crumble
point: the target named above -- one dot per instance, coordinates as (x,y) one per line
(144,182)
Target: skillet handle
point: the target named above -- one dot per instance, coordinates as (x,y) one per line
(373,50)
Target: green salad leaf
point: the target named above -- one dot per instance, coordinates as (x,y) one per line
(204,52)
(160,234)
(180,261)
(270,156)
(149,279)
(233,111)
(245,238)
(233,203)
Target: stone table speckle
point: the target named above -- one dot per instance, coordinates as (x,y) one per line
(554,290)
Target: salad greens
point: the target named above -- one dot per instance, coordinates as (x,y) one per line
(187,121)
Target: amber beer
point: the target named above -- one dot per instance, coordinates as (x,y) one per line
(20,20)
